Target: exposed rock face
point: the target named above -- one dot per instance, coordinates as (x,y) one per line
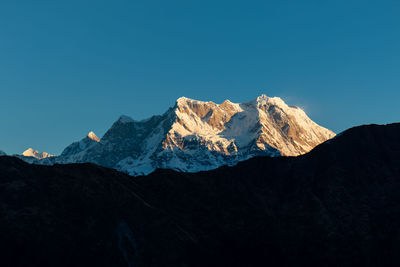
(196,135)
(335,206)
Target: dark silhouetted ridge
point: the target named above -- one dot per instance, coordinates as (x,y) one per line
(338,205)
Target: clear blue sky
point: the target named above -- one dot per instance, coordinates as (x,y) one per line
(68,67)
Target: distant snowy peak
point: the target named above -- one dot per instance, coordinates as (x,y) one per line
(93,136)
(2,153)
(30,152)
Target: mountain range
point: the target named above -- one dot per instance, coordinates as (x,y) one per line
(338,205)
(196,135)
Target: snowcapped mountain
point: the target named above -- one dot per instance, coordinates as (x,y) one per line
(76,151)
(197,135)
(2,153)
(30,152)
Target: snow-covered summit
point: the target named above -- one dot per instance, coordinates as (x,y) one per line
(93,136)
(30,152)
(265,100)
(197,135)
(2,153)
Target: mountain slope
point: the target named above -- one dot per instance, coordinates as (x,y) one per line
(76,152)
(196,135)
(335,206)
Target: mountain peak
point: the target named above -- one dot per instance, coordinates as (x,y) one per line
(276,101)
(187,99)
(262,97)
(93,136)
(30,152)
(184,100)
(125,119)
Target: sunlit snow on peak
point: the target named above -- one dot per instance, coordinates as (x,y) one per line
(30,152)
(93,136)
(184,100)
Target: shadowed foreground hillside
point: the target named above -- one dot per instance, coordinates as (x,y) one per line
(338,205)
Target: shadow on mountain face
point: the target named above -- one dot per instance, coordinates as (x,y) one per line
(338,205)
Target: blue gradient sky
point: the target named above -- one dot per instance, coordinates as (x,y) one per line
(68,67)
